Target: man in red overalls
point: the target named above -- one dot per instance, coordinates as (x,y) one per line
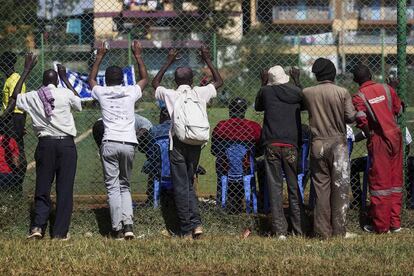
(378,106)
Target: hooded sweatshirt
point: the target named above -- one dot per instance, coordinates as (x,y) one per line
(281,105)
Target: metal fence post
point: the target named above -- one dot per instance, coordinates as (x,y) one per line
(402,68)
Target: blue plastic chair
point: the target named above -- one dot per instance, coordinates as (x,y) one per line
(235,155)
(163,179)
(304,168)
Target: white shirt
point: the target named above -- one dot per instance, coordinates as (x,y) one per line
(169,96)
(61,123)
(117,106)
(408,139)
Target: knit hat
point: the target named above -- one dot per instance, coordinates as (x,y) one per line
(277,75)
(324,69)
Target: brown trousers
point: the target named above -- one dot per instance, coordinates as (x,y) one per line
(330,172)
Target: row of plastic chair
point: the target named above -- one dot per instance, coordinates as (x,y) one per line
(235,155)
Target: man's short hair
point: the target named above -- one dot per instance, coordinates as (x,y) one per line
(361,72)
(114,75)
(50,77)
(183,75)
(238,106)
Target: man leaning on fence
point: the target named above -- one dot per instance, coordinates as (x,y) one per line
(330,109)
(378,107)
(56,156)
(118,145)
(281,136)
(184,157)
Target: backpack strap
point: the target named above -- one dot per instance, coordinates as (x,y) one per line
(371,113)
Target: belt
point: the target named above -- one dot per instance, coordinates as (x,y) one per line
(120,142)
(56,138)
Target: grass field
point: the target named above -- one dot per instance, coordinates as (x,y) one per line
(89,174)
(220,252)
(363,255)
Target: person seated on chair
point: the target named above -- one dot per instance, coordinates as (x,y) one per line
(98,128)
(235,129)
(147,146)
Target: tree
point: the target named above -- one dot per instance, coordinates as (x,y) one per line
(17,20)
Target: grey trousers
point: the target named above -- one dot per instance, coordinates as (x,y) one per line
(117,162)
(330,169)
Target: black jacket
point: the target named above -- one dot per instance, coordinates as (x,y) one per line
(281,105)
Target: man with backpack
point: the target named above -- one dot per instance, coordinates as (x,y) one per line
(190,130)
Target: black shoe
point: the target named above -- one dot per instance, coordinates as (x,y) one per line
(128,232)
(118,235)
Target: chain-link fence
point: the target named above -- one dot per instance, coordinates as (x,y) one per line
(245,37)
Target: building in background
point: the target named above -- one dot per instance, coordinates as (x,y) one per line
(162,24)
(347,31)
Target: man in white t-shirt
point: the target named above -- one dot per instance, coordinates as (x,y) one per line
(56,156)
(118,144)
(184,158)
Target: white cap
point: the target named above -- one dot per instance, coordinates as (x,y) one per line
(277,75)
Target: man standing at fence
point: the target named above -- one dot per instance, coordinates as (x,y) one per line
(378,106)
(184,157)
(281,136)
(56,156)
(330,108)
(119,141)
(18,117)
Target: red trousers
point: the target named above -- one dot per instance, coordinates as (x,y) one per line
(386,180)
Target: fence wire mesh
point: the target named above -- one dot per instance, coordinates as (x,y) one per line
(244,37)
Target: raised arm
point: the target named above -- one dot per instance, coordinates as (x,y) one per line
(95,68)
(172,56)
(64,78)
(295,75)
(205,55)
(29,63)
(137,50)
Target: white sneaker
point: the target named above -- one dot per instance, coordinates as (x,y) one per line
(349,235)
(35,234)
(395,230)
(282,238)
(368,228)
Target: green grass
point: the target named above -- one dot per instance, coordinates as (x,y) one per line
(366,254)
(89,173)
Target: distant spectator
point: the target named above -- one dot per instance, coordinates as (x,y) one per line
(9,159)
(235,129)
(98,128)
(18,117)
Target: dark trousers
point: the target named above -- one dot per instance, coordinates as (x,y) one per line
(278,160)
(358,165)
(54,158)
(19,122)
(184,161)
